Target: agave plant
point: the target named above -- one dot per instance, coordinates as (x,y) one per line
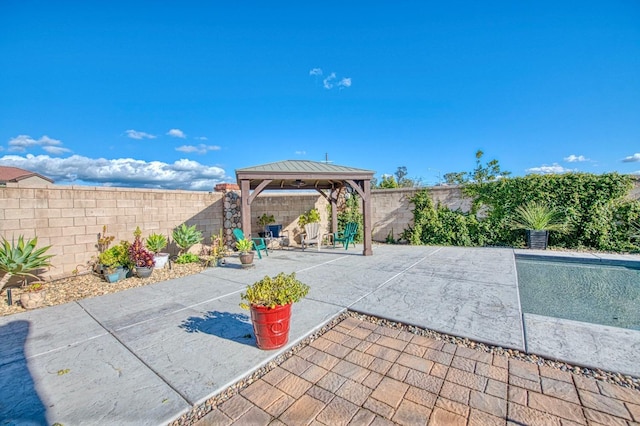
(22,258)
(538,217)
(186,236)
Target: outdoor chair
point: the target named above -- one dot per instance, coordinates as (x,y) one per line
(347,236)
(311,235)
(258,242)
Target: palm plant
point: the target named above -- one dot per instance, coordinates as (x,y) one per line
(538,217)
(22,258)
(186,236)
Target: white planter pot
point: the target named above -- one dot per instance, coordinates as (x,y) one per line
(161,259)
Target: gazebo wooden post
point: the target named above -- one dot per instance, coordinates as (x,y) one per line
(245,210)
(333,198)
(366,212)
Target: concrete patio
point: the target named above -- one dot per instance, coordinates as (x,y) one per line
(149,354)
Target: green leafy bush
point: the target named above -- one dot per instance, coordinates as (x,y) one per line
(188,258)
(597,213)
(274,291)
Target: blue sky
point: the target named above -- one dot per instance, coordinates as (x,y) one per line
(180,94)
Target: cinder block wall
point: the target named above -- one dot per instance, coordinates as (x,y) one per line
(70,218)
(287,208)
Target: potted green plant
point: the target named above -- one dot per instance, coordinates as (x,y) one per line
(109,261)
(269,301)
(312,216)
(245,247)
(141,258)
(537,220)
(156,242)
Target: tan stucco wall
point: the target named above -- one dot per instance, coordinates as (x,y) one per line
(69,218)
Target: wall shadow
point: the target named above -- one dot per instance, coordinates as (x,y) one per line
(227,325)
(19,400)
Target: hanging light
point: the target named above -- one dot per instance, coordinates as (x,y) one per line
(298,183)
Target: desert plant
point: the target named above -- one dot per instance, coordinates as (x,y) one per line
(156,242)
(244,245)
(538,217)
(21,258)
(282,289)
(186,236)
(312,216)
(104,240)
(139,255)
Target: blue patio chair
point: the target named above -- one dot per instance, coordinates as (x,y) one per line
(347,236)
(258,243)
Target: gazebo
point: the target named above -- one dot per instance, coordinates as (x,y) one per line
(328,179)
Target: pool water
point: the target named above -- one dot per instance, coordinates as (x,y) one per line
(596,293)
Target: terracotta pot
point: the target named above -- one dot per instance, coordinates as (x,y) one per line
(246,258)
(271,325)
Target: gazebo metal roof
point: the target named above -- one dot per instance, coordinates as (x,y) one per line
(301,174)
(326,178)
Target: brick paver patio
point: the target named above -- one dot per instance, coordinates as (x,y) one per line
(360,373)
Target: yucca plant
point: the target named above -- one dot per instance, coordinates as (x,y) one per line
(22,258)
(186,236)
(538,217)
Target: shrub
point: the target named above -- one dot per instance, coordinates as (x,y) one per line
(186,236)
(280,290)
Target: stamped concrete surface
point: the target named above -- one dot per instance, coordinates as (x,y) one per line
(149,354)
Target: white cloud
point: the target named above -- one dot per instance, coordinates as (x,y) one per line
(124,172)
(544,169)
(55,150)
(632,158)
(21,142)
(331,81)
(134,134)
(327,82)
(575,158)
(200,149)
(177,133)
(345,82)
(201,138)
(301,152)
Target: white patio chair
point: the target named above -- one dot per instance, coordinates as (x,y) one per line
(311,235)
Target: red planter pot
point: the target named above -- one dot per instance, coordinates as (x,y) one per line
(271,325)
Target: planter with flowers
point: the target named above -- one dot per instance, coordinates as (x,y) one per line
(245,247)
(141,258)
(155,243)
(269,301)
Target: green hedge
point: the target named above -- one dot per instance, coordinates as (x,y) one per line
(599,214)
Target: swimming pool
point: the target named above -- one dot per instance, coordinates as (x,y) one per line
(587,290)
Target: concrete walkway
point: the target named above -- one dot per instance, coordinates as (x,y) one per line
(148,355)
